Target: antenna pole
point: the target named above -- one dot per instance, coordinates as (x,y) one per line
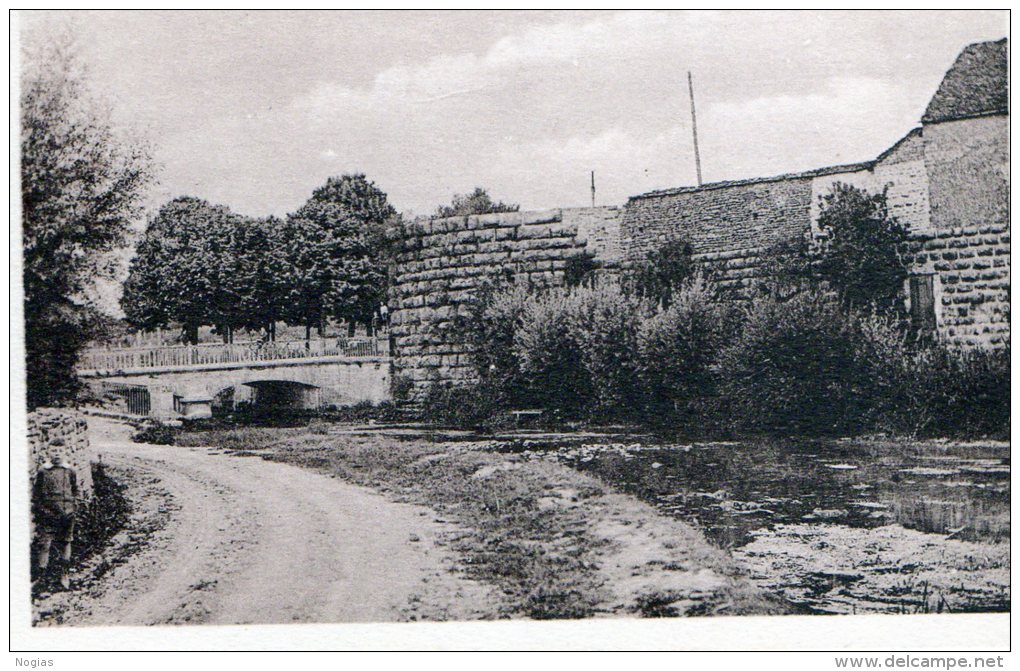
(593,188)
(694,126)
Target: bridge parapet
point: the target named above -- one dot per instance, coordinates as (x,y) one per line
(101,361)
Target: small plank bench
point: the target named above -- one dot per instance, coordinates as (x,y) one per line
(526,415)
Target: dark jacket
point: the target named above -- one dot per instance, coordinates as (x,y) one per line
(55,492)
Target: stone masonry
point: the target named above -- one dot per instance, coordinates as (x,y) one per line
(441,262)
(46,426)
(971,270)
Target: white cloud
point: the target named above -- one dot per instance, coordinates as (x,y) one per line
(532,114)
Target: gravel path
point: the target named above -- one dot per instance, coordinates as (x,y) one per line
(239,540)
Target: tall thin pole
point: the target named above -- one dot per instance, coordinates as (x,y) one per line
(593,188)
(694,126)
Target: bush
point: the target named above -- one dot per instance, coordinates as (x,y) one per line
(677,349)
(470,405)
(604,323)
(663,271)
(797,367)
(551,363)
(956,393)
(860,254)
(155,433)
(490,326)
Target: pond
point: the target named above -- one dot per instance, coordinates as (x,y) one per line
(837,526)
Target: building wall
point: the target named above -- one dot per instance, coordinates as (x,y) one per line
(967,162)
(47,425)
(901,170)
(441,262)
(972,288)
(718,218)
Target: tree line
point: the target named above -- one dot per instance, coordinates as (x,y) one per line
(200,264)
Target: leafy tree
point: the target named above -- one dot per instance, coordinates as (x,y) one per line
(81,187)
(332,267)
(260,249)
(476,202)
(860,253)
(185,269)
(355,213)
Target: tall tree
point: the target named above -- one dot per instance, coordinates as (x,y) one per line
(355,213)
(81,187)
(259,274)
(333,265)
(185,269)
(476,202)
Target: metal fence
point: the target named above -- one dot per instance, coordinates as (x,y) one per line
(131,399)
(219,353)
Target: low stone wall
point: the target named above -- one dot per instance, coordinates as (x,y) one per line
(46,426)
(440,263)
(972,291)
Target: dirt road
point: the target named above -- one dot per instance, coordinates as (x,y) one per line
(224,539)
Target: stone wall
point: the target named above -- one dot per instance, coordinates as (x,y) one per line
(718,218)
(968,171)
(45,426)
(598,228)
(971,267)
(441,262)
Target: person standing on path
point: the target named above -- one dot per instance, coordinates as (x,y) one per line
(54,504)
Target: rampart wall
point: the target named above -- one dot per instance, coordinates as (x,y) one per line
(441,262)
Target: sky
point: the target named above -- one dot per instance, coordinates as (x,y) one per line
(254,110)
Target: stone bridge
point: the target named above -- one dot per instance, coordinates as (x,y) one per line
(185,382)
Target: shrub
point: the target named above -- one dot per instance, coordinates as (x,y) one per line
(677,347)
(797,368)
(401,388)
(663,271)
(470,405)
(604,322)
(492,320)
(155,433)
(957,393)
(551,362)
(860,254)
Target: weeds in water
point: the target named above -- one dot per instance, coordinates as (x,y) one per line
(964,518)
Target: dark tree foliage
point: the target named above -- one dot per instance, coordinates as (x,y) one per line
(476,202)
(333,268)
(860,253)
(358,222)
(186,269)
(663,272)
(787,267)
(81,187)
(580,269)
(260,270)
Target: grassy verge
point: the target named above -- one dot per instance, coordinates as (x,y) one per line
(558,544)
(102,518)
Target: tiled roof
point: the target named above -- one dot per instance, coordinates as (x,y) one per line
(976,85)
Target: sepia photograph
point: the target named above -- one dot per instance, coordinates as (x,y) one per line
(359,317)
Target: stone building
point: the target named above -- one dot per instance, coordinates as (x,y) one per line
(947,180)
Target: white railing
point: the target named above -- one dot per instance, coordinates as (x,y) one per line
(175,356)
